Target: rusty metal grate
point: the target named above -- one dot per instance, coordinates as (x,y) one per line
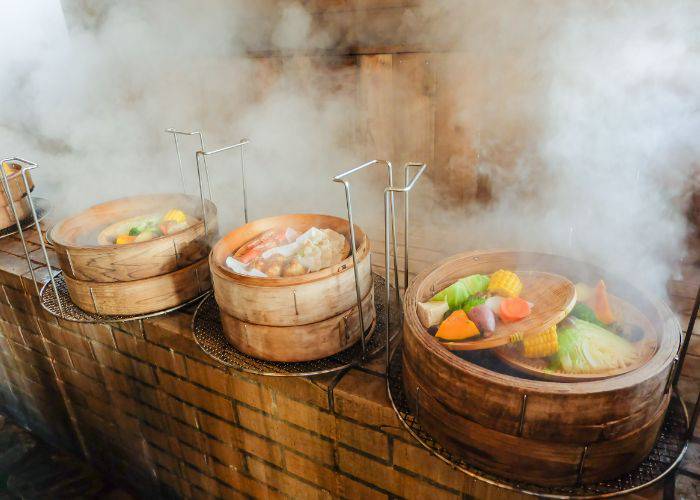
(666,454)
(70,312)
(43,207)
(209,334)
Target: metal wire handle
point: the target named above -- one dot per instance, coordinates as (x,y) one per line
(203,154)
(353,243)
(686,343)
(26,166)
(179,157)
(388,201)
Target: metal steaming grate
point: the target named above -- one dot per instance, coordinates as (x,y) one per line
(64,308)
(43,207)
(666,454)
(209,334)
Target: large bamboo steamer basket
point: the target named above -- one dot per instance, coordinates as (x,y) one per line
(295,300)
(577,413)
(545,463)
(144,296)
(82,258)
(303,342)
(17,188)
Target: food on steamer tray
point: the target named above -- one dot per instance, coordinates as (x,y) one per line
(457,326)
(483,318)
(432,313)
(513,309)
(590,340)
(588,348)
(541,345)
(153,226)
(474,302)
(285,252)
(587,341)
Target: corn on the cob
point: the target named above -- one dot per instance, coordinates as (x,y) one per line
(542,344)
(505,283)
(175,215)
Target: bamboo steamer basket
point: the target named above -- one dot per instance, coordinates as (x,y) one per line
(293,300)
(303,342)
(545,463)
(17,188)
(144,296)
(77,239)
(522,413)
(21,207)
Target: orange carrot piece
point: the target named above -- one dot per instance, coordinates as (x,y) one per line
(457,326)
(513,309)
(601,305)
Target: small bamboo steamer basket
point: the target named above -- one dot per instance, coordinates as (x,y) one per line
(144,296)
(17,188)
(578,414)
(294,300)
(303,342)
(81,258)
(21,207)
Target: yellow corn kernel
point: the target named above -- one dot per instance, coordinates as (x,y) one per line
(505,283)
(123,239)
(541,345)
(175,215)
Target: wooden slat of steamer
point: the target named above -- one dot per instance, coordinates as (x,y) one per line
(552,297)
(135,261)
(293,300)
(141,296)
(575,412)
(303,342)
(624,452)
(547,463)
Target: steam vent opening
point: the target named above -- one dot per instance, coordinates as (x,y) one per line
(349,249)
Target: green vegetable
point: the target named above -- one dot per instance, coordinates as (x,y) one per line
(135,231)
(588,348)
(476,283)
(582,311)
(473,301)
(457,293)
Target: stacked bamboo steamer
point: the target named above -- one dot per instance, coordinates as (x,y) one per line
(141,277)
(541,432)
(295,318)
(18,193)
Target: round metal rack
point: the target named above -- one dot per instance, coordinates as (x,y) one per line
(209,334)
(63,307)
(667,453)
(43,208)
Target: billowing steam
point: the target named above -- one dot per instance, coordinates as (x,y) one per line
(582,116)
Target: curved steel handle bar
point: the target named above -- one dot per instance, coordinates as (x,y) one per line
(179,158)
(388,193)
(407,186)
(26,166)
(203,154)
(353,244)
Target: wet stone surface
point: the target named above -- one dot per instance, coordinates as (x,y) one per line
(31,469)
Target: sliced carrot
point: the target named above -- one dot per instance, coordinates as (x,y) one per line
(457,326)
(513,309)
(601,306)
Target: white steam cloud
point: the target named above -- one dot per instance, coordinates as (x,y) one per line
(584,115)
